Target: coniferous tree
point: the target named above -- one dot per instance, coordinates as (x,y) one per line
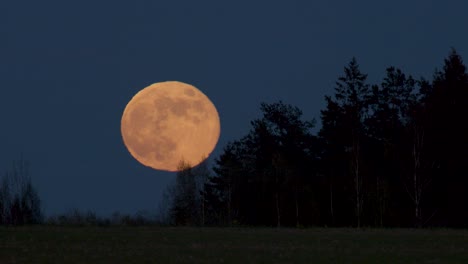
(228,189)
(261,177)
(348,110)
(447,109)
(389,114)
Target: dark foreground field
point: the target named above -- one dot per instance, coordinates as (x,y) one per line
(44,244)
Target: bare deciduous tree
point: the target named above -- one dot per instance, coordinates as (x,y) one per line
(19,200)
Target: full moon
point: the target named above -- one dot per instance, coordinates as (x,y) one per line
(169,122)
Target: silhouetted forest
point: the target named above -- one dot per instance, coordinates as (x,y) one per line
(393,154)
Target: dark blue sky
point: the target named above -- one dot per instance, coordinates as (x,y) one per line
(68,68)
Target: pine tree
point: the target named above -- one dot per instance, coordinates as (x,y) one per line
(343,126)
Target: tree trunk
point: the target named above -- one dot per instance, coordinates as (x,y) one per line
(229,204)
(331,204)
(297,206)
(278,216)
(278,213)
(203,209)
(357,180)
(417,183)
(379,198)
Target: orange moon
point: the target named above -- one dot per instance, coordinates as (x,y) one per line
(169,122)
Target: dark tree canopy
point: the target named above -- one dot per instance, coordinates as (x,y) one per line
(390,154)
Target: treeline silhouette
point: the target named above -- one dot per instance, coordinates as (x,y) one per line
(76,217)
(393,154)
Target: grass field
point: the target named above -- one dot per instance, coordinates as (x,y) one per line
(47,244)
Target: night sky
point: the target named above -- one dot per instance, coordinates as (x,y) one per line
(68,69)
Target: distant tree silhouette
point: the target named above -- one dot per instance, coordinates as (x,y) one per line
(201,174)
(390,107)
(165,206)
(183,209)
(294,154)
(186,201)
(350,103)
(5,200)
(446,135)
(259,179)
(228,189)
(19,201)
